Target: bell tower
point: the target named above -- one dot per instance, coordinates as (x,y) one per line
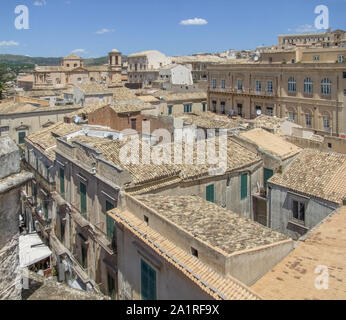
(115,67)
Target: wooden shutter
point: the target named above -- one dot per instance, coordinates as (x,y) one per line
(148,282)
(62,182)
(83,199)
(267,174)
(109,220)
(244,186)
(210,193)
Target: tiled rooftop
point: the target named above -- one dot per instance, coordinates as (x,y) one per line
(316,173)
(210,120)
(94,88)
(45,139)
(13,108)
(131,106)
(215,285)
(238,157)
(271,143)
(212,224)
(173,96)
(294,277)
(123,94)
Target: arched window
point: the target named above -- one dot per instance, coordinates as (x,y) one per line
(292,85)
(308,86)
(326,86)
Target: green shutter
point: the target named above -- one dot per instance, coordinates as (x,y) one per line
(21,137)
(210,193)
(83,198)
(109,220)
(170,109)
(62,182)
(244,187)
(267,174)
(148,282)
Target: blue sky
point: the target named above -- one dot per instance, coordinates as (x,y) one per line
(91,28)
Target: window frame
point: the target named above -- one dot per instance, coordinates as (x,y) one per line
(308,86)
(154,295)
(292,85)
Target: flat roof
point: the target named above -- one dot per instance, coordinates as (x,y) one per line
(271,143)
(220,228)
(294,277)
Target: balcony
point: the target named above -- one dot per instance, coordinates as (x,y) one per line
(242,92)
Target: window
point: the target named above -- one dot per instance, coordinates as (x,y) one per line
(83,198)
(210,193)
(62,182)
(45,208)
(214,106)
(243,186)
(100,99)
(240,85)
(330,145)
(326,86)
(326,124)
(223,84)
(341,58)
(270,87)
(194,252)
(316,58)
(170,110)
(109,221)
(75,65)
(270,59)
(258,86)
(148,282)
(291,116)
(344,75)
(267,174)
(298,210)
(344,92)
(293,61)
(270,111)
(204,106)
(146,220)
(21,137)
(292,86)
(214,83)
(68,65)
(133,124)
(223,106)
(187,108)
(308,86)
(240,109)
(308,121)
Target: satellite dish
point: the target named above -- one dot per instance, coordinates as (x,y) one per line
(259,112)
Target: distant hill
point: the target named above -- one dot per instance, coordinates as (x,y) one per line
(11,59)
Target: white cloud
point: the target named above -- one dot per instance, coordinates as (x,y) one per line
(195,22)
(40,3)
(80,51)
(104,30)
(8,43)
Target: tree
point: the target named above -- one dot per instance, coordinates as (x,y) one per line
(4,78)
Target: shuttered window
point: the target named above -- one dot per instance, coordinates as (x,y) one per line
(83,198)
(210,192)
(21,137)
(109,221)
(62,182)
(148,282)
(267,174)
(243,187)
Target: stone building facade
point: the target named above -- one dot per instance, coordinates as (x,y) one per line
(311,95)
(12,179)
(72,71)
